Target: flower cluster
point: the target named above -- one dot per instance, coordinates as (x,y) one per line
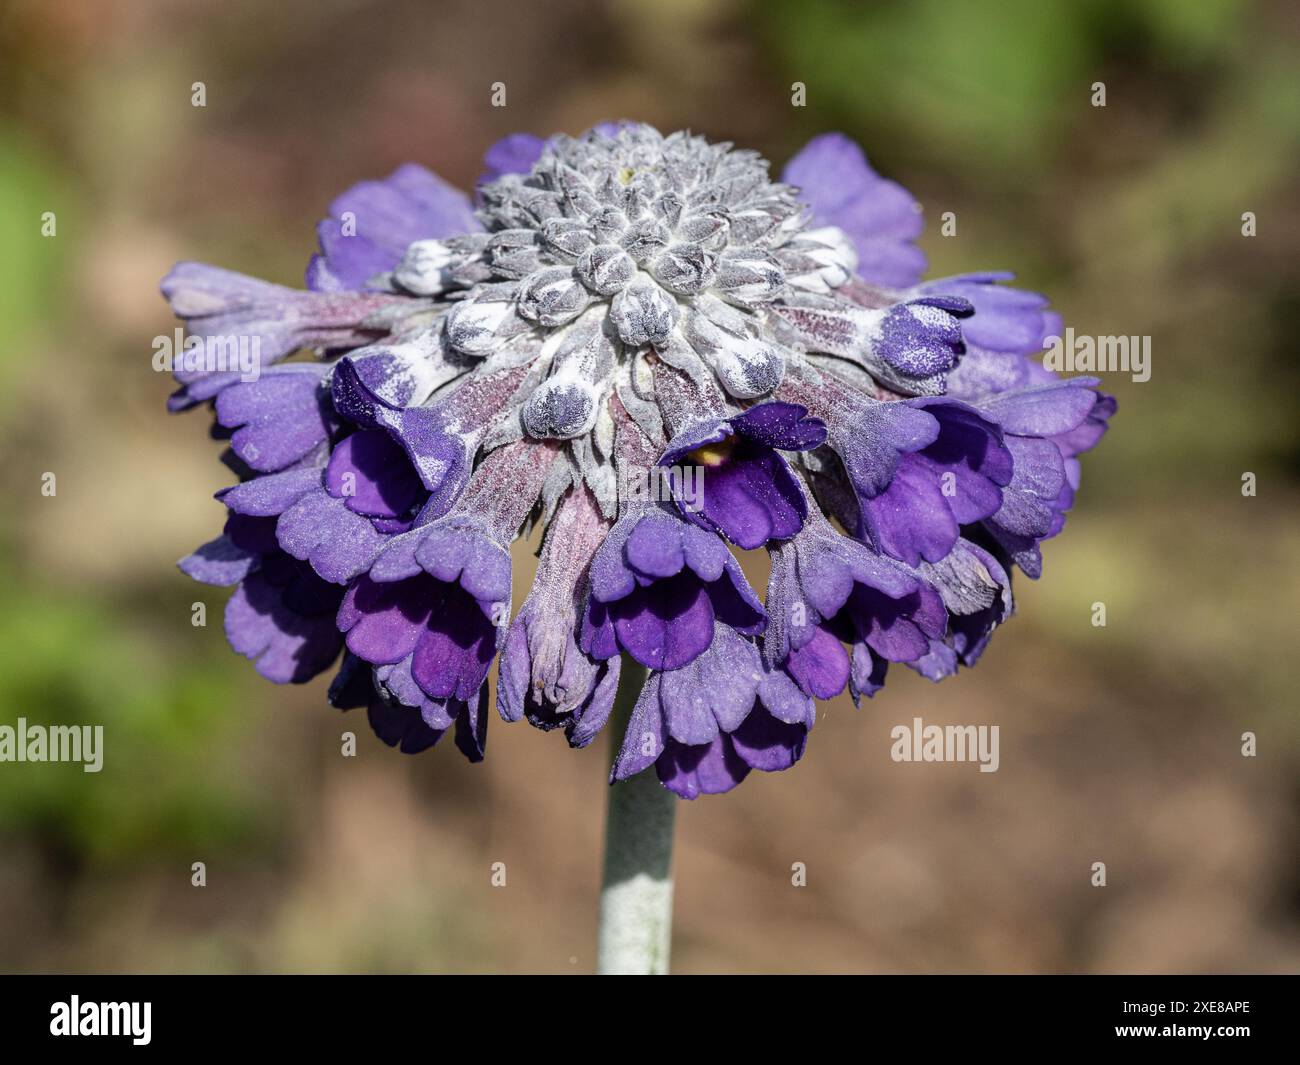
(610,307)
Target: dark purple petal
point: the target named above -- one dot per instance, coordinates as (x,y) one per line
(750,497)
(657,584)
(955,479)
(826,589)
(871,439)
(354,684)
(452,657)
(911,520)
(968,459)
(765,743)
(384,622)
(667,623)
(370,472)
(710,769)
(471,728)
(401,726)
(781,425)
(745,489)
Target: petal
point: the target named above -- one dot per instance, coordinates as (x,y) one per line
(879,216)
(514,154)
(279,418)
(372,224)
(1049,410)
(752,497)
(765,743)
(287,647)
(821,665)
(911,519)
(643,739)
(665,625)
(1005,318)
(384,622)
(321,530)
(396,725)
(219,561)
(710,769)
(272,495)
(371,474)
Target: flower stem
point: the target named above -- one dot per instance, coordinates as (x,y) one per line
(636,898)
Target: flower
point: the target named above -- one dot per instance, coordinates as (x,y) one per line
(648,349)
(706,725)
(748,492)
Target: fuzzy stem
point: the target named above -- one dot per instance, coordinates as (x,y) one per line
(636,898)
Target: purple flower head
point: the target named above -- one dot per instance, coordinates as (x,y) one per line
(647,349)
(746,490)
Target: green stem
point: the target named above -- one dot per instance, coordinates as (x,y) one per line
(636,898)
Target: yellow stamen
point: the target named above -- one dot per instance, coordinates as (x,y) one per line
(714,454)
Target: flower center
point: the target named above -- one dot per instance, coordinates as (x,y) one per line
(713,454)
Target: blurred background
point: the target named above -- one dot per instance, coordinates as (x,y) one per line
(1119,744)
